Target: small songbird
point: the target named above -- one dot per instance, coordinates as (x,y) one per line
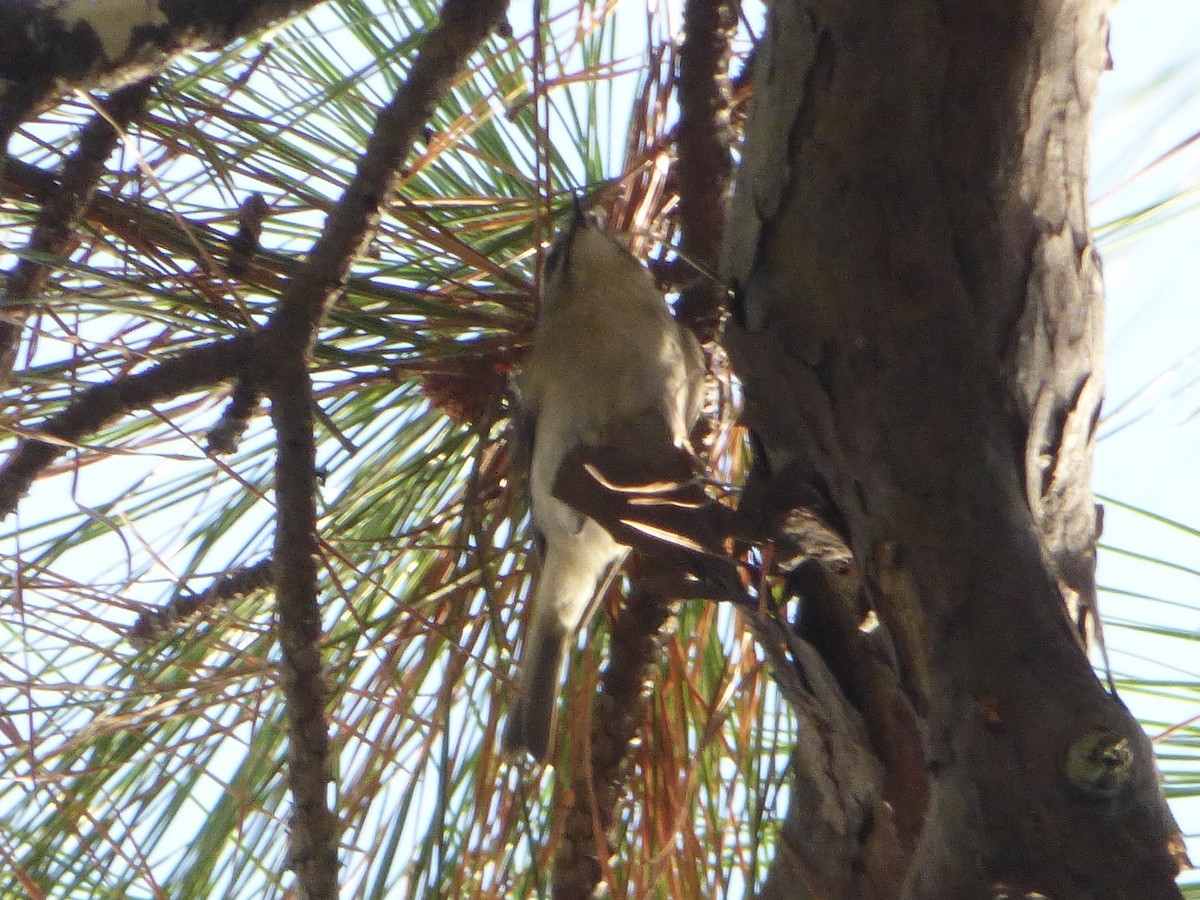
(609,366)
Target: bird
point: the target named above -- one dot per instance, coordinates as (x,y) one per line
(609,365)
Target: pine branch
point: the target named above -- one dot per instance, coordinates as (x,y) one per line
(617,717)
(705,163)
(314,826)
(59,216)
(101,404)
(401,123)
(283,371)
(110,44)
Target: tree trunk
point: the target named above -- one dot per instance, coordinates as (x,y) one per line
(918,329)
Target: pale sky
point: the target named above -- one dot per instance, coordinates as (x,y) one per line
(1147,455)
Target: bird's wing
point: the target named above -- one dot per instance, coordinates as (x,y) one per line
(697,371)
(521,433)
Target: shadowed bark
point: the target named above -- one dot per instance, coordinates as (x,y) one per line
(918,329)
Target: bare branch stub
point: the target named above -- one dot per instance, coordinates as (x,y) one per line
(244,244)
(226,435)
(153,624)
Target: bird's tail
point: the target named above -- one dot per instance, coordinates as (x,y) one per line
(574,573)
(531,719)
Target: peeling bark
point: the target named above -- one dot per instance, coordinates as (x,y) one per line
(918,329)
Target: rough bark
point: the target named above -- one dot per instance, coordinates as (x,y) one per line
(703,140)
(918,330)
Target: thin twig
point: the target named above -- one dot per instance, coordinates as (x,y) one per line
(60,215)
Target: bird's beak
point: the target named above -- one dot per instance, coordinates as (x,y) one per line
(579,217)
